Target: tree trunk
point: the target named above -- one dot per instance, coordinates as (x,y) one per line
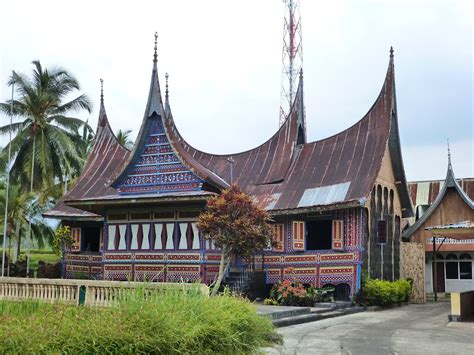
(225,260)
(18,241)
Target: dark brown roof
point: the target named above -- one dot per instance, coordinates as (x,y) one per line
(105,158)
(285,175)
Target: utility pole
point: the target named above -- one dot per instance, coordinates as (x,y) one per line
(5,221)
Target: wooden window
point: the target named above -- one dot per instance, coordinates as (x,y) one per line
(117,216)
(140,216)
(164,215)
(279,237)
(337,234)
(188,214)
(299,232)
(76,236)
(382,232)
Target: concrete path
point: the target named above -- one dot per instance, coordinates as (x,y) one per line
(413,329)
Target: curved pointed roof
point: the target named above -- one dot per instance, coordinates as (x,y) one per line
(106,157)
(286,175)
(450,182)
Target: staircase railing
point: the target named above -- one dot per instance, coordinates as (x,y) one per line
(244,277)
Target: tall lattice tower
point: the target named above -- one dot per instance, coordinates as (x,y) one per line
(292,56)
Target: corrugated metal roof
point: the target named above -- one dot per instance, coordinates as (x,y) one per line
(324,195)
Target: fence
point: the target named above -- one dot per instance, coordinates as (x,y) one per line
(87,292)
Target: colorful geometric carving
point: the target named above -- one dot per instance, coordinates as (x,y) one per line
(118,272)
(156,168)
(336,257)
(186,273)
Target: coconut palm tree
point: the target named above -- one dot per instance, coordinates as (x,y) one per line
(123,137)
(45,148)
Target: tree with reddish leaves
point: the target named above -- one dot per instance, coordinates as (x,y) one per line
(236,225)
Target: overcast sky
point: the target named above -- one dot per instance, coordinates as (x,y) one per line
(224,62)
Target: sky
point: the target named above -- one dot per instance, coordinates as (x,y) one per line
(224,65)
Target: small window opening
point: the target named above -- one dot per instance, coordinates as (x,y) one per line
(90,239)
(319,235)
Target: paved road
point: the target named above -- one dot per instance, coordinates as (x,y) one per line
(413,329)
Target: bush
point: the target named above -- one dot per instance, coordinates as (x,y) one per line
(294,293)
(168,322)
(377,292)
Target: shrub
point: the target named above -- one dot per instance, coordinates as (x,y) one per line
(168,322)
(294,293)
(377,292)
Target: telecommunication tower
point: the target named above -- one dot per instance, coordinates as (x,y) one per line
(292,56)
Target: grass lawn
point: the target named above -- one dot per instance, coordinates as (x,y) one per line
(45,255)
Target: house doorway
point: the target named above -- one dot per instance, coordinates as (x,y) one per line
(439,278)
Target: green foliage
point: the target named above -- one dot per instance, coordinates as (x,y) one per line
(377,292)
(236,223)
(62,239)
(270,302)
(123,137)
(47,136)
(170,322)
(292,292)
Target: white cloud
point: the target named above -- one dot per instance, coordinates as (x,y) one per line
(224,63)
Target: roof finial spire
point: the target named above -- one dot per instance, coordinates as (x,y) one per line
(391,52)
(166,91)
(155,55)
(101,91)
(449,154)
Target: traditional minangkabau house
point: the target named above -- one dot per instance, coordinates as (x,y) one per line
(443,203)
(337,203)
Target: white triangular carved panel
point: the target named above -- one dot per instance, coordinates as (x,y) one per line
(134,228)
(169,232)
(195,236)
(122,235)
(183,244)
(111,237)
(158,231)
(146,236)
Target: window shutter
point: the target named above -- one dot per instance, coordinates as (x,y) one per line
(299,232)
(337,234)
(76,236)
(382,231)
(279,237)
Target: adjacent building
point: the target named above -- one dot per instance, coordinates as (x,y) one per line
(439,203)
